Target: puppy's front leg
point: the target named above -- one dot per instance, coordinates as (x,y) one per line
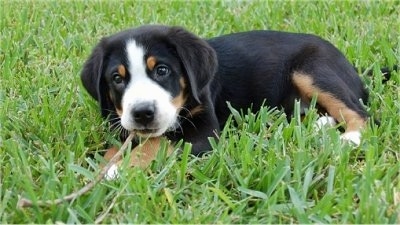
(141,156)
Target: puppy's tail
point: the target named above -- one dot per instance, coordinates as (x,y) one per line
(386,72)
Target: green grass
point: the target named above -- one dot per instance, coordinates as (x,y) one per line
(281,173)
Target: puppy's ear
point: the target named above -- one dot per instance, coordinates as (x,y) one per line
(92,71)
(92,78)
(197,56)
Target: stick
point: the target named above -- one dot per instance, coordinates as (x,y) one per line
(23,202)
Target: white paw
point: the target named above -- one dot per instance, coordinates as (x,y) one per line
(352,136)
(324,121)
(112,173)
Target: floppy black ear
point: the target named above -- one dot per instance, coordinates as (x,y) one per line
(197,56)
(92,78)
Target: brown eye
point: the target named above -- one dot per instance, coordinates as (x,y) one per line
(117,78)
(162,70)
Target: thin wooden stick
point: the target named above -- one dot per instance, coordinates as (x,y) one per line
(23,202)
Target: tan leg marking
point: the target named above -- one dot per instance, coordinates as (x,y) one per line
(110,153)
(143,154)
(335,107)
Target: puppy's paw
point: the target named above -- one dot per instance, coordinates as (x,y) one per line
(112,173)
(353,137)
(323,121)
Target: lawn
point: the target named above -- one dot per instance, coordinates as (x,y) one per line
(269,169)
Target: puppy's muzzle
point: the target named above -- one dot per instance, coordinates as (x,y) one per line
(143,113)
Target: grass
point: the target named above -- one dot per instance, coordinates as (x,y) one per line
(285,172)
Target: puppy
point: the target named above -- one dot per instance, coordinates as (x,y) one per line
(165,81)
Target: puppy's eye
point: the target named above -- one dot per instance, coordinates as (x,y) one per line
(117,78)
(162,70)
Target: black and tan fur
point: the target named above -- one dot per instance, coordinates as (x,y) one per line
(246,69)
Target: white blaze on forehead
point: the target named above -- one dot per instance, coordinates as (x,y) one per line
(135,54)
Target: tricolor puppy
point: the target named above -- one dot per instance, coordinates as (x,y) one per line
(165,81)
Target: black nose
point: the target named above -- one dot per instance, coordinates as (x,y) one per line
(143,113)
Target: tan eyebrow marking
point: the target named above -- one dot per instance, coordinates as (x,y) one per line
(151,62)
(122,70)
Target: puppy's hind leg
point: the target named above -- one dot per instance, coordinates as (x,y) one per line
(324,121)
(346,111)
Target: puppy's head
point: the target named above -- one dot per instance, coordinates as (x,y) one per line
(142,77)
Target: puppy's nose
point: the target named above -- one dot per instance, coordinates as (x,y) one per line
(143,113)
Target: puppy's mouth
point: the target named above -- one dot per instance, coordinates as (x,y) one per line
(146,132)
